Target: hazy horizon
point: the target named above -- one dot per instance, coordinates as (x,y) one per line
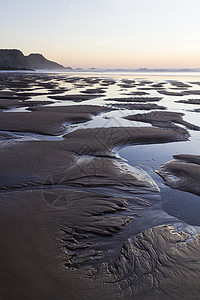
(105,33)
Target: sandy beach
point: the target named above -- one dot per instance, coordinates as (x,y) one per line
(99,186)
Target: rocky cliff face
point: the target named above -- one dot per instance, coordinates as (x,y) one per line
(12,59)
(38,61)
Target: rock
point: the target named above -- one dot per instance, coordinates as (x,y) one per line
(38,61)
(11,59)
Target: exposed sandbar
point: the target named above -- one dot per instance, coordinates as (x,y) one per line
(163,119)
(190,101)
(138,106)
(90,109)
(179,84)
(183,93)
(136,93)
(19,162)
(6,103)
(135,99)
(94,91)
(40,122)
(182,173)
(75,98)
(100,141)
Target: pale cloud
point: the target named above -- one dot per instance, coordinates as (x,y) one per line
(73,6)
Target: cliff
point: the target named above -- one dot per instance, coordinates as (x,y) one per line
(38,61)
(13,59)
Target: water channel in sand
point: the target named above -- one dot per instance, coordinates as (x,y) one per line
(185,206)
(123,95)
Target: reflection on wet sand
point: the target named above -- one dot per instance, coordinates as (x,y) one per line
(77,220)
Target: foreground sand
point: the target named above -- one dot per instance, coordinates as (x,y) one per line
(78,222)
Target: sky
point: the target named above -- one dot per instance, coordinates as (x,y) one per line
(105,33)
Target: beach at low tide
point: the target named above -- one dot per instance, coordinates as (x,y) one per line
(99,186)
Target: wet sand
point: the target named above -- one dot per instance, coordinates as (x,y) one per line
(138,106)
(163,119)
(77,220)
(182,173)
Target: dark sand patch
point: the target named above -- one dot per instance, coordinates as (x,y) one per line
(80,217)
(195,82)
(182,173)
(26,163)
(137,93)
(91,80)
(128,81)
(10,82)
(126,86)
(150,88)
(52,256)
(9,94)
(154,263)
(146,81)
(135,99)
(58,91)
(177,88)
(190,101)
(75,98)
(6,103)
(28,82)
(100,141)
(138,106)
(191,92)
(50,251)
(93,216)
(94,91)
(40,122)
(179,84)
(163,119)
(107,82)
(31,253)
(30,163)
(90,109)
(158,85)
(97,172)
(12,96)
(183,93)
(169,93)
(36,102)
(150,265)
(188,158)
(31,94)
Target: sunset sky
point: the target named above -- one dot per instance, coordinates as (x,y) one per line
(105,33)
